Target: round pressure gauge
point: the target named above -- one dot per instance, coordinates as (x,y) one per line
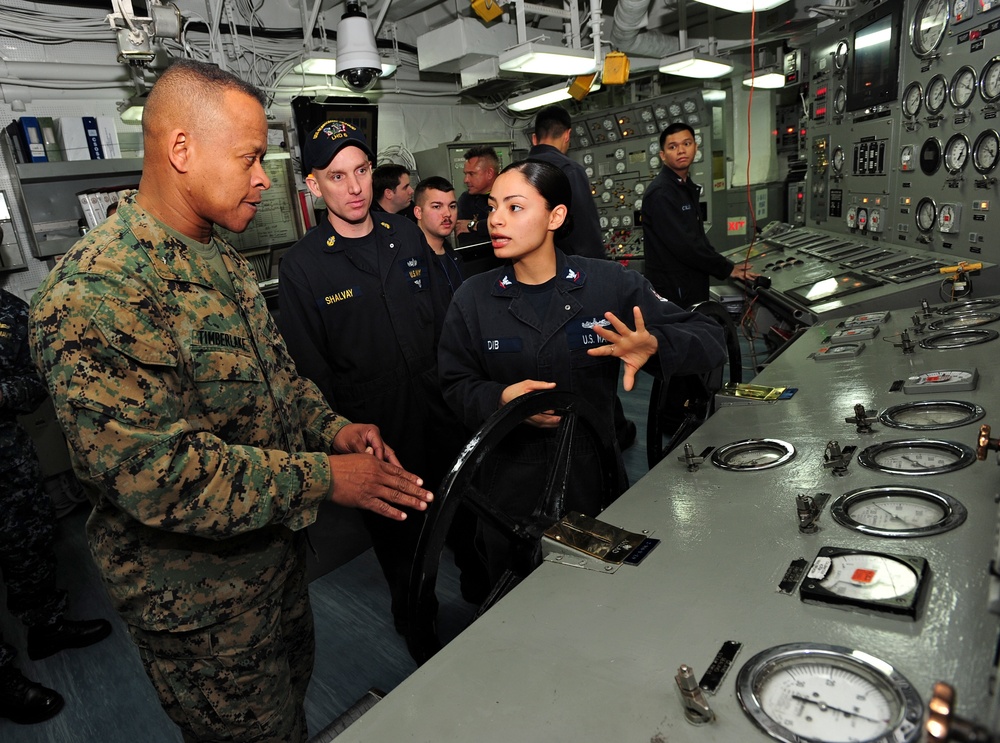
(986,151)
(926,214)
(840,56)
(930,21)
(959,339)
(989,81)
(603,221)
(637,205)
(906,160)
(840,101)
(654,148)
(698,139)
(608,124)
(936,94)
(660,112)
(588,158)
(824,693)
(862,218)
(956,153)
(969,320)
(690,105)
(838,160)
(675,109)
(620,153)
(606,197)
(967,306)
(913,99)
(627,221)
(961,10)
(963,87)
(751,455)
(589,171)
(640,188)
(917,457)
(620,167)
(615,221)
(896,511)
(646,115)
(609,182)
(930,156)
(931,415)
(654,163)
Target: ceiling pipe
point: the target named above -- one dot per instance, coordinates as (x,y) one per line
(628,32)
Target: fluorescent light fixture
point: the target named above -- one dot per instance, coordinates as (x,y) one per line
(744,6)
(765,77)
(544,97)
(540,59)
(317,63)
(130,110)
(692,63)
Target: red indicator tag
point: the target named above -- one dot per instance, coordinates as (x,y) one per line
(863,576)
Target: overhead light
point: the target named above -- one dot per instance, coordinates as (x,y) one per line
(540,59)
(130,110)
(544,97)
(713,95)
(744,6)
(692,63)
(765,77)
(358,63)
(317,63)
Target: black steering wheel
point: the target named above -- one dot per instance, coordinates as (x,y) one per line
(677,406)
(523,534)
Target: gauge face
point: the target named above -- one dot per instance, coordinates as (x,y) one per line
(969,305)
(615,222)
(589,171)
(824,693)
(961,10)
(675,109)
(609,182)
(608,124)
(862,218)
(620,167)
(936,94)
(626,221)
(646,115)
(963,87)
(906,161)
(690,106)
(654,163)
(840,56)
(588,158)
(620,153)
(913,99)
(959,338)
(989,81)
(840,101)
(838,160)
(930,21)
(970,320)
(693,119)
(751,455)
(956,153)
(604,223)
(926,215)
(895,511)
(917,457)
(640,188)
(930,415)
(985,151)
(660,112)
(606,197)
(867,577)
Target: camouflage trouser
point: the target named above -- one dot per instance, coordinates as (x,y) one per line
(28,564)
(242,680)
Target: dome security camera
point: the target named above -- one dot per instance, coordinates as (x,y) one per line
(358,63)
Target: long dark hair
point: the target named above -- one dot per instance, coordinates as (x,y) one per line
(551,183)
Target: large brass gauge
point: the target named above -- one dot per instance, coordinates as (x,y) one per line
(897,511)
(926,214)
(936,94)
(840,56)
(931,415)
(913,99)
(930,21)
(963,87)
(823,693)
(751,455)
(956,153)
(986,151)
(989,81)
(917,457)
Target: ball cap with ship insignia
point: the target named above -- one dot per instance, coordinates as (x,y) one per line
(328,139)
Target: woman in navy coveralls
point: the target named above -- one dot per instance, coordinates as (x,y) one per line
(545,320)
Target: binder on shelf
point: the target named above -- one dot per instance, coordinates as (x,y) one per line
(88,212)
(109,137)
(34,144)
(13,133)
(72,138)
(52,149)
(93,138)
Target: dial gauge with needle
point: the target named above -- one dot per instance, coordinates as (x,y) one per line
(917,457)
(897,511)
(928,415)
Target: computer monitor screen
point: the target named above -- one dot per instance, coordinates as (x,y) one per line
(873,77)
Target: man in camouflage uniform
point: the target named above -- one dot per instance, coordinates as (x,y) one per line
(27,523)
(204,452)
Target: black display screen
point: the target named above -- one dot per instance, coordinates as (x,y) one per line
(833,287)
(874,72)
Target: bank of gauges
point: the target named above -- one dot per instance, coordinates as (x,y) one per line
(823,693)
(898,511)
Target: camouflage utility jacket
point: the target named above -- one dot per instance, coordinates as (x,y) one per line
(200,446)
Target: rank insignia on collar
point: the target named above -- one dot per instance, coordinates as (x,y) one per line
(331,240)
(412,262)
(386,225)
(572,275)
(505,282)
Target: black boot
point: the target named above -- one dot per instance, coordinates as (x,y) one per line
(24,701)
(66,633)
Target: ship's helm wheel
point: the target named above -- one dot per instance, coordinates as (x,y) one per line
(522,534)
(678,405)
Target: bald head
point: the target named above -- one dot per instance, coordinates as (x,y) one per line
(205,134)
